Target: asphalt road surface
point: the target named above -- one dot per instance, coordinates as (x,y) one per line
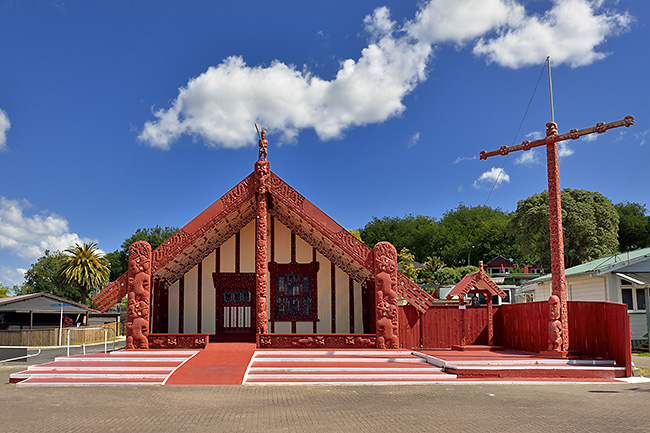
(381,408)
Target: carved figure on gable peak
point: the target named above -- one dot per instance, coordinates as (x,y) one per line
(262,143)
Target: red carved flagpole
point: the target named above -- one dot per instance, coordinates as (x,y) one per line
(262,177)
(559,324)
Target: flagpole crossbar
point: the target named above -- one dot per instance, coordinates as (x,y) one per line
(574,134)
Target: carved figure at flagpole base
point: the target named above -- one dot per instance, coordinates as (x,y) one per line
(555,325)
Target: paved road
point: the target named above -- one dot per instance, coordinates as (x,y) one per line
(408,408)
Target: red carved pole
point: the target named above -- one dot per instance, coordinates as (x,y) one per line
(558,279)
(488,295)
(139,296)
(386,295)
(262,172)
(558,325)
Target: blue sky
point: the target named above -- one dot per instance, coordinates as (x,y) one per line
(127,114)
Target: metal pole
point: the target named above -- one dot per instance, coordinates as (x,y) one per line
(550,86)
(61,325)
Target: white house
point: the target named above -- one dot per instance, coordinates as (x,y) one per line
(623,277)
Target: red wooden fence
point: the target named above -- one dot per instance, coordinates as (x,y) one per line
(597,329)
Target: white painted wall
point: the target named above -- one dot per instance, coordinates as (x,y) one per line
(587,289)
(282,242)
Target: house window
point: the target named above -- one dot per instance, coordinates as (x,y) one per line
(293,297)
(632,297)
(294,292)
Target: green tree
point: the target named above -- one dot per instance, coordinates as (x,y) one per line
(475,233)
(85,267)
(447,276)
(405,258)
(43,276)
(590,226)
(633,226)
(118,259)
(415,232)
(6,291)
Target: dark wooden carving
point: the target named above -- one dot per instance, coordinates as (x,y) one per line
(293,268)
(386,295)
(178,341)
(316,341)
(139,295)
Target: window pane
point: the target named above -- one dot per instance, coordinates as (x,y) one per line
(640,299)
(627,298)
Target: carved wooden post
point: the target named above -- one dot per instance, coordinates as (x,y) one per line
(557,238)
(461,307)
(488,297)
(386,295)
(262,178)
(139,296)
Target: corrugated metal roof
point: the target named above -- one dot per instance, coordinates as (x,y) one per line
(604,265)
(41,303)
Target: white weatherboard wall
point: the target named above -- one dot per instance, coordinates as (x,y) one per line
(282,251)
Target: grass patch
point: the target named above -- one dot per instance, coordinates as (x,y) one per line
(637,353)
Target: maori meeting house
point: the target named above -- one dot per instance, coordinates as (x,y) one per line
(263,264)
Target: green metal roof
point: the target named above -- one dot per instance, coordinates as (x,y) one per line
(604,264)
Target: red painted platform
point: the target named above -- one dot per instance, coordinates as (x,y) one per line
(342,367)
(217,364)
(240,363)
(519,365)
(141,367)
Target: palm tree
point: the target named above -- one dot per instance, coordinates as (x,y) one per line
(85,267)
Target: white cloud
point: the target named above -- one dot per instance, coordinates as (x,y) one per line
(641,136)
(490,177)
(569,32)
(28,236)
(458,21)
(413,140)
(589,138)
(222,104)
(11,277)
(5,125)
(535,135)
(465,158)
(530,157)
(563,150)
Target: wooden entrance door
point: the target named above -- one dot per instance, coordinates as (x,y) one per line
(235,295)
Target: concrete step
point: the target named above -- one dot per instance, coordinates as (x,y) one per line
(346,366)
(121,367)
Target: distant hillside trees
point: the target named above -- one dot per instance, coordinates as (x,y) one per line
(461,235)
(593,227)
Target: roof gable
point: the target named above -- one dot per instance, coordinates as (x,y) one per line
(221,220)
(478,280)
(40,302)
